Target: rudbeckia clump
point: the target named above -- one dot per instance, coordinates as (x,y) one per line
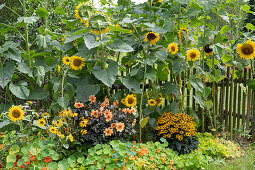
(246,50)
(102,122)
(152,38)
(193,54)
(179,130)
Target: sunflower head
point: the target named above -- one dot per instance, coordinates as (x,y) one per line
(130,100)
(83,11)
(193,54)
(181,32)
(41,122)
(99,23)
(67,60)
(152,102)
(208,50)
(246,50)
(173,48)
(152,38)
(16,113)
(77,63)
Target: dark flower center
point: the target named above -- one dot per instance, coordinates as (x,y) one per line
(77,62)
(193,55)
(207,49)
(247,49)
(67,60)
(16,113)
(151,36)
(130,100)
(173,48)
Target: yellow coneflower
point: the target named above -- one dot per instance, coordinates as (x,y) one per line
(16,113)
(83,122)
(67,60)
(173,48)
(84,132)
(152,38)
(246,50)
(77,63)
(71,137)
(58,123)
(41,122)
(193,54)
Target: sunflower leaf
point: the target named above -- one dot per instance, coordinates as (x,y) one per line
(20,90)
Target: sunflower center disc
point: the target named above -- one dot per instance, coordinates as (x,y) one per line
(193,55)
(207,49)
(16,114)
(151,36)
(173,48)
(247,49)
(77,62)
(130,100)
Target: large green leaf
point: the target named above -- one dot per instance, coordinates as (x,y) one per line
(23,68)
(121,46)
(84,90)
(199,100)
(197,84)
(132,84)
(4,123)
(20,89)
(38,94)
(171,89)
(6,73)
(179,67)
(161,54)
(144,121)
(108,75)
(63,101)
(151,75)
(90,41)
(42,12)
(156,29)
(28,20)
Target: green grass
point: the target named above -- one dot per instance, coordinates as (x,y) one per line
(246,162)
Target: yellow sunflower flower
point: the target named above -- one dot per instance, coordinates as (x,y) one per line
(152,38)
(246,50)
(41,122)
(152,102)
(130,100)
(53,130)
(208,50)
(71,137)
(77,63)
(99,23)
(193,54)
(181,31)
(67,60)
(84,9)
(16,113)
(173,48)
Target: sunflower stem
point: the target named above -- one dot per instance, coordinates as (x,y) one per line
(62,85)
(141,105)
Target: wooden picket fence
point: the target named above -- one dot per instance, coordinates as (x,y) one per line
(233,109)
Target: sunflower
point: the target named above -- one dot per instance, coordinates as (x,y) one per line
(108,132)
(246,50)
(120,127)
(67,60)
(77,63)
(41,122)
(193,54)
(99,23)
(181,31)
(45,114)
(173,48)
(53,130)
(208,50)
(130,100)
(152,102)
(84,10)
(59,68)
(16,113)
(152,38)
